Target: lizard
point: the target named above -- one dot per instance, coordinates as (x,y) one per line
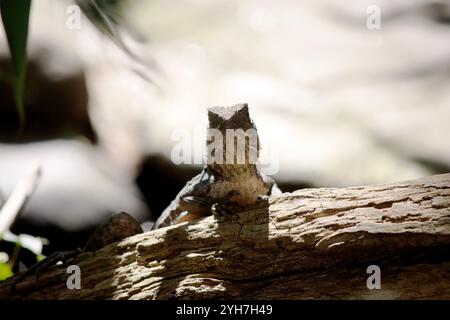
(227,184)
(231,183)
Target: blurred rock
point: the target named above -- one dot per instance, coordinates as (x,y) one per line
(79,188)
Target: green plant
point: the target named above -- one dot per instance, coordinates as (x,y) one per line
(15,16)
(21,241)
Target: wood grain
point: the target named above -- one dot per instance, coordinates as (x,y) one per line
(309,244)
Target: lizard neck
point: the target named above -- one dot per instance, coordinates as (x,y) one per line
(233,171)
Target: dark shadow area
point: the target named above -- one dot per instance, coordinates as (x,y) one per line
(160,180)
(54,107)
(435,166)
(59,239)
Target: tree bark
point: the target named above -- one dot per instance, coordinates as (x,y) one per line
(309,244)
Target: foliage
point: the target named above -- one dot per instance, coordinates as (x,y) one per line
(21,241)
(15,16)
(5,268)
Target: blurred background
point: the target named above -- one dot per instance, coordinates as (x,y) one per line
(337,103)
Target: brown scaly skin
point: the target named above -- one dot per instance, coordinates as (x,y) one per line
(235,183)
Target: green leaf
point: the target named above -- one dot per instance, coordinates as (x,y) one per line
(15,16)
(5,271)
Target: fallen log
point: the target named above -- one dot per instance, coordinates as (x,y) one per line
(309,244)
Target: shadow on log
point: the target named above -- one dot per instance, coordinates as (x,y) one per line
(309,244)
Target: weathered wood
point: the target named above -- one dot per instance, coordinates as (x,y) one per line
(310,244)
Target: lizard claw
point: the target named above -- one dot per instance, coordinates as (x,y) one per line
(226,208)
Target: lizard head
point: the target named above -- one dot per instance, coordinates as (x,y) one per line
(232,142)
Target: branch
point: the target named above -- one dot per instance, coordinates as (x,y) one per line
(19,197)
(310,244)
